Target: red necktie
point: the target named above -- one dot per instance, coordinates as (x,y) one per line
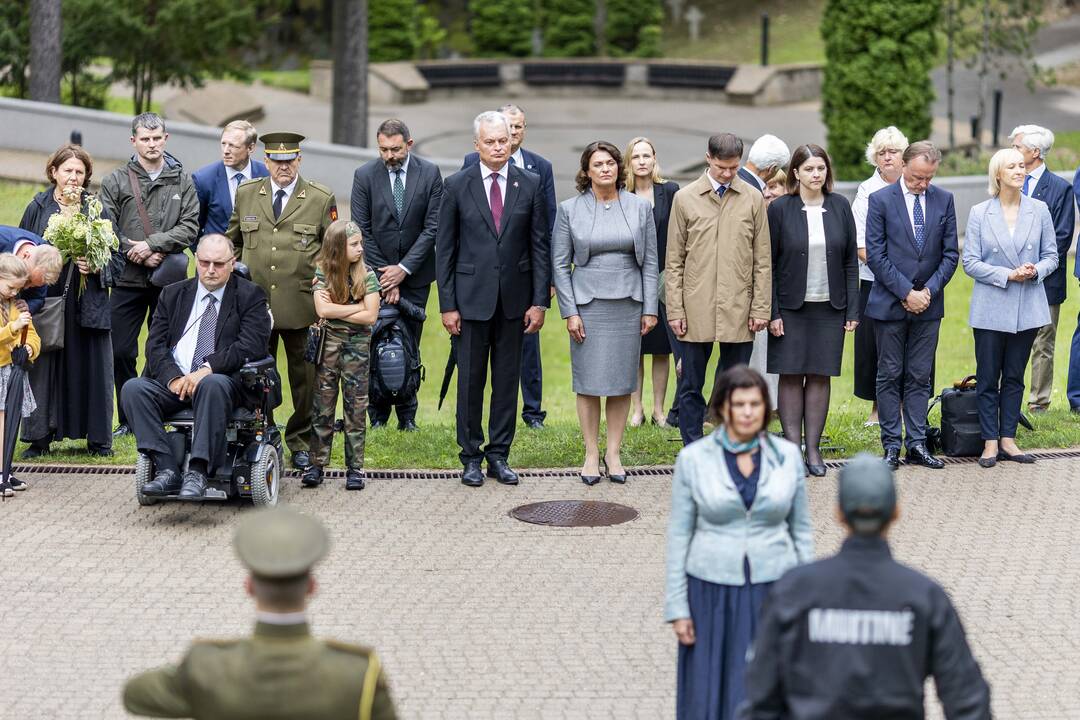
(495,198)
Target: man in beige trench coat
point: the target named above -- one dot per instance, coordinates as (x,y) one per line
(718,274)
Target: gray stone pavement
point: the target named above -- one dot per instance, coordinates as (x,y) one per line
(479,616)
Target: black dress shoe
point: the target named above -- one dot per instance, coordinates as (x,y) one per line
(34,451)
(673,418)
(301,460)
(892,458)
(500,471)
(1022,458)
(99,451)
(987,462)
(377,423)
(815,470)
(312,477)
(193,485)
(355,479)
(165,482)
(408,426)
(121,431)
(618,479)
(919,455)
(472,475)
(534,424)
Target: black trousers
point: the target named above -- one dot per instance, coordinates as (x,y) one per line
(406,409)
(1000,361)
(695,366)
(130,307)
(147,403)
(532,379)
(906,350)
(497,341)
(866,351)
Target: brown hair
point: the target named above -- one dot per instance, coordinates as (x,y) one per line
(732,379)
(333,260)
(62,155)
(924,149)
(801,155)
(582,180)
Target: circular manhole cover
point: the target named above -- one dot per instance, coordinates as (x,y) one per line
(574,513)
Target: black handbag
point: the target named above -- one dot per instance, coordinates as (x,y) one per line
(961,435)
(49,321)
(316,341)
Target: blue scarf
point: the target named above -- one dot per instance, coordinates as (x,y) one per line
(733,447)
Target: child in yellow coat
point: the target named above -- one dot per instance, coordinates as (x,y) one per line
(19,330)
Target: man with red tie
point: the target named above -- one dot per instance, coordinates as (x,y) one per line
(494,269)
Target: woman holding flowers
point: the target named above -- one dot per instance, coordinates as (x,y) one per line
(74,386)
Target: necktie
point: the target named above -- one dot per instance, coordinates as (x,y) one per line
(720,191)
(399,193)
(512,161)
(279,197)
(496,200)
(1027,181)
(237,179)
(204,343)
(920,224)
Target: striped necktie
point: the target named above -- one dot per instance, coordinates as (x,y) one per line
(204,343)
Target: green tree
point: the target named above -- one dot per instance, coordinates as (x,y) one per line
(633,27)
(568,27)
(502,27)
(14,46)
(879,54)
(393,27)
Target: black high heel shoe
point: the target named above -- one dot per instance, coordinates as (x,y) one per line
(589,479)
(620,479)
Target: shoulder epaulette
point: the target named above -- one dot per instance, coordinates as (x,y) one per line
(350,648)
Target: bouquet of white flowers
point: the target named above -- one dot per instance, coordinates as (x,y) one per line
(88,236)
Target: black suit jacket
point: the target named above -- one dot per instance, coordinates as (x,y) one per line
(663,195)
(790,239)
(243,328)
(9,238)
(388,241)
(478,267)
(1056,192)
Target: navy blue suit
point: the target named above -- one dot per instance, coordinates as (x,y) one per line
(215,203)
(9,237)
(907,342)
(532,372)
(750,179)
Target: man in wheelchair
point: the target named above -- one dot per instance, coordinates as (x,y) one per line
(204,330)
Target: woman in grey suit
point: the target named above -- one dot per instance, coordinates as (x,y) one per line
(603,253)
(1009,249)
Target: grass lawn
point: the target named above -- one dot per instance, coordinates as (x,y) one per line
(296,80)
(559,444)
(732,32)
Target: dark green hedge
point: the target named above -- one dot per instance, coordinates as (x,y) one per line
(501,27)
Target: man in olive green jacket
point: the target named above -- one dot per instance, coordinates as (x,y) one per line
(282,671)
(277,228)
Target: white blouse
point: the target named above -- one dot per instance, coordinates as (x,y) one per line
(817,271)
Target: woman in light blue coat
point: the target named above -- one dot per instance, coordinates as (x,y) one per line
(739,520)
(1010,247)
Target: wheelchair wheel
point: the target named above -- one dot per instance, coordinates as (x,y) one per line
(144,473)
(266,477)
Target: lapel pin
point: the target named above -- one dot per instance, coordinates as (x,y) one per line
(515,183)
(300,195)
(262,190)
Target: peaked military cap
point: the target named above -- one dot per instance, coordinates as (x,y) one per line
(282,146)
(280,542)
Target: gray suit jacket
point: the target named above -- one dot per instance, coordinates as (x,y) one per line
(570,245)
(990,254)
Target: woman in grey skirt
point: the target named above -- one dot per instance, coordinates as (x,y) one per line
(603,252)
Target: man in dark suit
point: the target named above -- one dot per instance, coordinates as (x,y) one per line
(42,260)
(911,248)
(493,263)
(216,183)
(203,332)
(768,155)
(395,201)
(532,371)
(1034,143)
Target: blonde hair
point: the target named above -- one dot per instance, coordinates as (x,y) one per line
(12,268)
(628,171)
(251,136)
(343,281)
(887,138)
(47,259)
(997,163)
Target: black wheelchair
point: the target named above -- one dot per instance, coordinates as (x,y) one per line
(254,458)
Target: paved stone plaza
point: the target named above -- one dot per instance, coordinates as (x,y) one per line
(479,616)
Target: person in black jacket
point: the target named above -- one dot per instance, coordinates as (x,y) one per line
(395,202)
(856,635)
(815,296)
(204,330)
(73,386)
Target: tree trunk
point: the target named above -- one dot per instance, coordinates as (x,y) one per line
(600,28)
(984,71)
(46,52)
(350,96)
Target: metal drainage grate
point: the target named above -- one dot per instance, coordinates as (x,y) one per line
(574,513)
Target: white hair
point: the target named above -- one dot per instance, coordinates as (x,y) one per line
(491,117)
(1036,137)
(769,151)
(887,138)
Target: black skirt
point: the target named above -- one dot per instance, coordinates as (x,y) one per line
(865,349)
(812,343)
(656,341)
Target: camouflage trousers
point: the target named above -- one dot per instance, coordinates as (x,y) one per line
(346,362)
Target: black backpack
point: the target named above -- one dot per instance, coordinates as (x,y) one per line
(961,435)
(396,372)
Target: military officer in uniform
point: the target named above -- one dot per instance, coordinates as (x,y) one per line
(277,226)
(281,671)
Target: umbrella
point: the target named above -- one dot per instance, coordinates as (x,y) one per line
(451,362)
(13,408)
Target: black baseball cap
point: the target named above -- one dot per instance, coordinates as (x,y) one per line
(867,493)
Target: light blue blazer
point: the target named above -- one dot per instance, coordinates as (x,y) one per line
(711,531)
(990,254)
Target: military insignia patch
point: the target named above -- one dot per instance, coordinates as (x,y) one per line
(250,218)
(301,195)
(333,213)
